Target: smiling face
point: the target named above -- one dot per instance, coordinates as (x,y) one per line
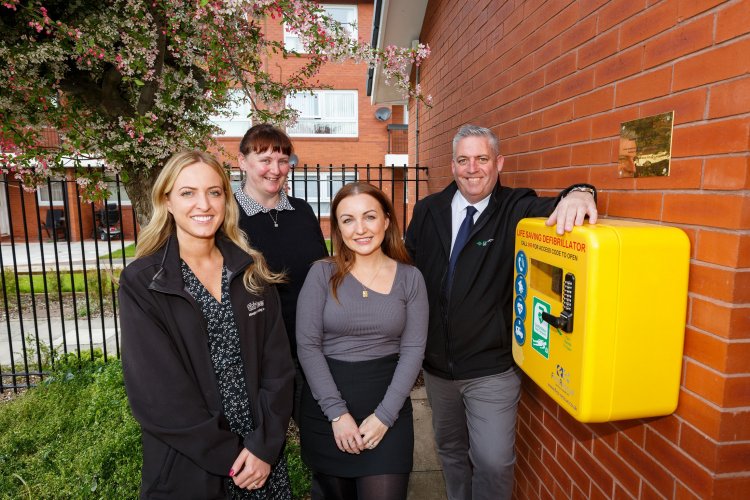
(197,202)
(475,168)
(362,223)
(266,174)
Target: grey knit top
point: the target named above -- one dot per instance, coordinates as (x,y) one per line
(356,328)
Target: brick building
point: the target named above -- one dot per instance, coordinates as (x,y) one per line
(339,127)
(555,79)
(30,216)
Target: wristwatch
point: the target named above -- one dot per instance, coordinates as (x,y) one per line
(336,419)
(584,188)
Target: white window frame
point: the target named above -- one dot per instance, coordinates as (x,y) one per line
(319,120)
(236,121)
(124,199)
(42,192)
(325,191)
(4,208)
(292,41)
(235,179)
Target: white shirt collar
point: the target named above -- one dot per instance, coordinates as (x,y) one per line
(459,203)
(458,212)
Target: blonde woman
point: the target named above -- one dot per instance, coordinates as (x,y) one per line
(207,365)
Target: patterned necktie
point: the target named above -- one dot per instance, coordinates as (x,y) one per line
(461,238)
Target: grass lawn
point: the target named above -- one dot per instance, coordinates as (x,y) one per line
(66,283)
(117,254)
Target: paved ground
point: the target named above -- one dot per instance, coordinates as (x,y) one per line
(36,256)
(91,334)
(426,482)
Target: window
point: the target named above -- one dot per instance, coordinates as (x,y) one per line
(235,179)
(319,189)
(344,14)
(331,113)
(235,122)
(113,186)
(52,194)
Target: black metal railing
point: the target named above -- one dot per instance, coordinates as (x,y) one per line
(61,257)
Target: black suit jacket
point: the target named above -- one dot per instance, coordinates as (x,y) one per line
(469,332)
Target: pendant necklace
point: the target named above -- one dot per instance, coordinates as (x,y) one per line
(276,219)
(364,288)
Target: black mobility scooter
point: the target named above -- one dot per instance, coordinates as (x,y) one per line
(107,225)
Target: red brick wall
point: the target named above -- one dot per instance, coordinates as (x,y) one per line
(372,143)
(80,218)
(554,79)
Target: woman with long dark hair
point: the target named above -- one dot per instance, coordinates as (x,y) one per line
(361,332)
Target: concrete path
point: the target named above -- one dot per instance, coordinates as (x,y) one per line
(426,481)
(37,256)
(92,333)
(54,332)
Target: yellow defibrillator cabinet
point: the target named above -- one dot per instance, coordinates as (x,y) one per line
(599,316)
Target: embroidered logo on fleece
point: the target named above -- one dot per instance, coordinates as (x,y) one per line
(484,243)
(254,308)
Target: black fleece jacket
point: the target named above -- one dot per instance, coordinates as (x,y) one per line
(188,448)
(469,335)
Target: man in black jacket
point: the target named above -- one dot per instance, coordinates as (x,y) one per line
(462,239)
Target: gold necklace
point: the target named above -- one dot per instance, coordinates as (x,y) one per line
(369,284)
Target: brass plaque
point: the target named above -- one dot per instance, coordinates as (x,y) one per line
(646,146)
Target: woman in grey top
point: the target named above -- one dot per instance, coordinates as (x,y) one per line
(361,332)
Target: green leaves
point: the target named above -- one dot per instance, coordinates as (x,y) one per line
(72,437)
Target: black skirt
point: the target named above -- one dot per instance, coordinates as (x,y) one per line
(362,385)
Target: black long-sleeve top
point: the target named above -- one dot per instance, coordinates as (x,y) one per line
(292,247)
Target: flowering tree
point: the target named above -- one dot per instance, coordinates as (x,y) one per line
(125,83)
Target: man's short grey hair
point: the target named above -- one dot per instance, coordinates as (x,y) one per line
(469,130)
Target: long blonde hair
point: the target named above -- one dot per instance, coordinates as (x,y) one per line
(161,226)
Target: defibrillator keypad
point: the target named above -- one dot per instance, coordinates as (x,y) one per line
(565,321)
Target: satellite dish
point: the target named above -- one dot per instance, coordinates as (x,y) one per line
(293,160)
(382,114)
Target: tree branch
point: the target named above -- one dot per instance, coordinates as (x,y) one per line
(148,92)
(106,98)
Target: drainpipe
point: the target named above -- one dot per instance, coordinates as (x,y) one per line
(414,44)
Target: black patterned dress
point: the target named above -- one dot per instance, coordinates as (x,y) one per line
(224,344)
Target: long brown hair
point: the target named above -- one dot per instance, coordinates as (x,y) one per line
(155,234)
(392,246)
